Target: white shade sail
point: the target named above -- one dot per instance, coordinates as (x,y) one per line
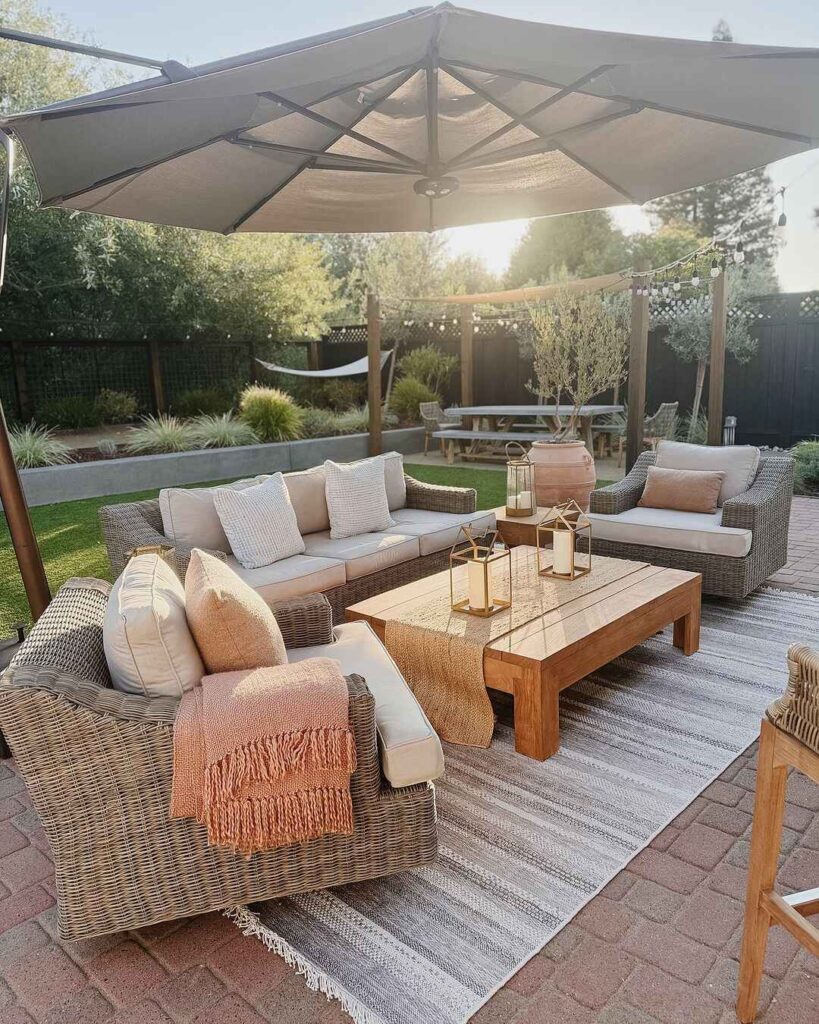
(352,131)
(354,369)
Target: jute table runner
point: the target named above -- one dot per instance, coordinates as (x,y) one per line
(440,652)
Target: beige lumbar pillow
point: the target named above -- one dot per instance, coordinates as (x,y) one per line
(684,490)
(233,627)
(259,522)
(148,645)
(357,498)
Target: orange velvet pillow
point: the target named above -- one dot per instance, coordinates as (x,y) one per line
(684,490)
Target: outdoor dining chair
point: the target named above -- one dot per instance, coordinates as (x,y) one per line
(434,419)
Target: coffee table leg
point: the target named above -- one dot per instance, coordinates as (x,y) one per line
(537,717)
(687,630)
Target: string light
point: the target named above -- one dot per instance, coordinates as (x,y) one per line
(715,267)
(677,283)
(782,223)
(739,252)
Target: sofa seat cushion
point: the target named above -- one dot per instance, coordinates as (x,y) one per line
(666,528)
(410,748)
(437,531)
(292,577)
(365,553)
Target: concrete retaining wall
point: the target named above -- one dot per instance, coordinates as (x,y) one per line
(141,473)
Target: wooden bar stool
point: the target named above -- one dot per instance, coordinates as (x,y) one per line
(789,738)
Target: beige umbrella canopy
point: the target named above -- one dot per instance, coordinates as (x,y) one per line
(435,118)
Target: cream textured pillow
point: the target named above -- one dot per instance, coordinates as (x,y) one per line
(148,645)
(234,629)
(685,490)
(259,522)
(357,498)
(189,516)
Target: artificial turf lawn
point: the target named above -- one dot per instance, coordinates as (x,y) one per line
(72,545)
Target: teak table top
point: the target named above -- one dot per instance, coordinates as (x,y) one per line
(535,661)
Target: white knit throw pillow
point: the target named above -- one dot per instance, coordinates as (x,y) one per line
(259,522)
(357,498)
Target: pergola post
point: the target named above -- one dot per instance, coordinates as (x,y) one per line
(374,371)
(467,356)
(637,361)
(716,363)
(20,528)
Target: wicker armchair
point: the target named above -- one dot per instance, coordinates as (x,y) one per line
(139,523)
(764,509)
(98,765)
(434,418)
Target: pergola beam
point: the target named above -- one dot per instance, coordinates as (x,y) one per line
(716,371)
(467,355)
(374,372)
(637,363)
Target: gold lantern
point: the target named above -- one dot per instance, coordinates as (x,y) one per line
(520,481)
(563,526)
(484,567)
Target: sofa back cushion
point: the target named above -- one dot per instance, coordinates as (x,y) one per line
(148,645)
(739,463)
(394,480)
(189,515)
(306,490)
(233,627)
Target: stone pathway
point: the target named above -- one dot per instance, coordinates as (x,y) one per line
(659,945)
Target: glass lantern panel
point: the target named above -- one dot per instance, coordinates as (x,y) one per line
(513,481)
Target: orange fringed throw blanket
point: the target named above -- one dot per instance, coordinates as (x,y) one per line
(263,758)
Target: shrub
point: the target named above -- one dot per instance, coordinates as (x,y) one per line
(223,431)
(159,434)
(806,467)
(357,421)
(407,395)
(271,413)
(71,413)
(34,446)
(116,406)
(696,432)
(107,448)
(202,402)
(429,365)
(318,422)
(341,393)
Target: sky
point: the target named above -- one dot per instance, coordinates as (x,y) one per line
(195,31)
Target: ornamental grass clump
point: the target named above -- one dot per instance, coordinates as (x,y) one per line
(33,447)
(271,413)
(225,431)
(161,434)
(407,395)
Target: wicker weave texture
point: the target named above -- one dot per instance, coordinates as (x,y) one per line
(764,509)
(98,765)
(797,710)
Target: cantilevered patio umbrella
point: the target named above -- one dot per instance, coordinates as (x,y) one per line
(434,118)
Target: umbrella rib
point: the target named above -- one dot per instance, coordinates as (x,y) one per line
(341,132)
(520,119)
(328,122)
(597,174)
(648,104)
(350,163)
(543,144)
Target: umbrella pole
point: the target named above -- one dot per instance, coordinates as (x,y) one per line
(22,532)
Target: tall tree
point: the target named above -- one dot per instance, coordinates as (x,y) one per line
(577,244)
(714,208)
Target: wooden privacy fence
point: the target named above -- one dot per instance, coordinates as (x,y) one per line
(775,396)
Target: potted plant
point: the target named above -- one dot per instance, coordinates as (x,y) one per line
(579,343)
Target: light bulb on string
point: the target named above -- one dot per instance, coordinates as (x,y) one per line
(739,252)
(715,267)
(677,283)
(782,222)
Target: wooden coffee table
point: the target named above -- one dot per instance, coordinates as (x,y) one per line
(536,661)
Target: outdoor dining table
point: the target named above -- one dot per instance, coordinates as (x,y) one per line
(502,418)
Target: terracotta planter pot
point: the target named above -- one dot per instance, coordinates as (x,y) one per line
(563,470)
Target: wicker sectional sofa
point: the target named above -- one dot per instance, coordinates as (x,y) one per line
(98,765)
(753,526)
(428,518)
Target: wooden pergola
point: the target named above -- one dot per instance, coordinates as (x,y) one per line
(638,348)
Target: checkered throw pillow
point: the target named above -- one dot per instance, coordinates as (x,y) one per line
(259,522)
(357,498)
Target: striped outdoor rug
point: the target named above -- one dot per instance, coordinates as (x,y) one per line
(524,846)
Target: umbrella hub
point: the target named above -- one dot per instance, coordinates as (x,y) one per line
(436,188)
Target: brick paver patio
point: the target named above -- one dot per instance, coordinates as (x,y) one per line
(658,946)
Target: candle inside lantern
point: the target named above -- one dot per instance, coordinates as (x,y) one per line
(478,596)
(524,499)
(563,543)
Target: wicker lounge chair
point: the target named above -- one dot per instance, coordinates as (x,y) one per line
(764,510)
(98,765)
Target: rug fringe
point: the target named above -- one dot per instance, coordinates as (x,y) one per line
(317,981)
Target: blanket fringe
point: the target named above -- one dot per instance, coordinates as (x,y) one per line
(261,823)
(270,758)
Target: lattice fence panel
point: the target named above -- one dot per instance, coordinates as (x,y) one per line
(62,371)
(220,366)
